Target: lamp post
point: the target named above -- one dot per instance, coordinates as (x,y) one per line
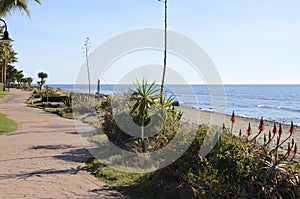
(5,39)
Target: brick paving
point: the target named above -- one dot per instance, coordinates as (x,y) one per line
(45,157)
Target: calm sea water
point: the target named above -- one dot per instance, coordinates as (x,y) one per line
(274,102)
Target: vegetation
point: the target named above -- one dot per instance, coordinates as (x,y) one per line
(7,125)
(8,6)
(43,76)
(7,58)
(237,167)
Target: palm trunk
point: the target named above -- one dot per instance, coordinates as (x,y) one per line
(2,73)
(5,66)
(165,52)
(142,129)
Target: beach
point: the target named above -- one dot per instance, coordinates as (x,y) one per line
(202,117)
(208,117)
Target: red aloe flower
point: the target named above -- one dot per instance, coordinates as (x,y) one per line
(274,128)
(261,126)
(224,128)
(233,119)
(295,149)
(289,149)
(249,130)
(292,128)
(240,133)
(280,130)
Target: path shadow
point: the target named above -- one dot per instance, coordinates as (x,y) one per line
(109,192)
(40,173)
(53,147)
(79,155)
(72,133)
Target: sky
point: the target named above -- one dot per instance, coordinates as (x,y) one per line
(249,41)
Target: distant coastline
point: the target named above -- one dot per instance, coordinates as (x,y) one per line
(273,102)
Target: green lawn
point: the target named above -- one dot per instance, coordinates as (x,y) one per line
(7,125)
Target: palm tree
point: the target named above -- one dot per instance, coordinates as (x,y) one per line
(42,76)
(7,57)
(143,98)
(29,80)
(8,6)
(19,76)
(165,50)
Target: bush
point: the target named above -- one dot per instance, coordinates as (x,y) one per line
(53,98)
(1,86)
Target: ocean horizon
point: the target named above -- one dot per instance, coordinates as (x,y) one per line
(275,102)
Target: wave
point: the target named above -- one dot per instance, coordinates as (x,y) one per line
(242,115)
(278,107)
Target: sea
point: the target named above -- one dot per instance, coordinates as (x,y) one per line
(279,103)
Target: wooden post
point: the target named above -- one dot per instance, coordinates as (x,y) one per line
(98,87)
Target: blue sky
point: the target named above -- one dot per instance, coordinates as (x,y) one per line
(250,41)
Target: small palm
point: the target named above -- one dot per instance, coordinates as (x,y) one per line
(143,98)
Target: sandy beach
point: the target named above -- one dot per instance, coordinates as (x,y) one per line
(202,117)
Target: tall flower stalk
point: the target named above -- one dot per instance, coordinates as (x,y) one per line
(233,120)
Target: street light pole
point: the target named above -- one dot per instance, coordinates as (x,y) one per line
(5,39)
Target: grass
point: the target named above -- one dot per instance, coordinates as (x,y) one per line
(7,125)
(2,93)
(124,182)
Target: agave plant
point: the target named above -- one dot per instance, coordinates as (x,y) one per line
(166,109)
(143,99)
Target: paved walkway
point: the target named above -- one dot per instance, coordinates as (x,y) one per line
(44,158)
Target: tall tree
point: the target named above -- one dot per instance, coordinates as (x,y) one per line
(7,57)
(8,6)
(43,76)
(165,49)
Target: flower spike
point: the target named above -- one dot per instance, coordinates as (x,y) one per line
(233,119)
(261,126)
(280,130)
(275,129)
(292,128)
(249,130)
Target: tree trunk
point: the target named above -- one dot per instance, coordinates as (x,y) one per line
(165,51)
(5,66)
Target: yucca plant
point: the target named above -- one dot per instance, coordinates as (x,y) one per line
(68,103)
(143,100)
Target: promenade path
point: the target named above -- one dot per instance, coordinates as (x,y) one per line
(45,157)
